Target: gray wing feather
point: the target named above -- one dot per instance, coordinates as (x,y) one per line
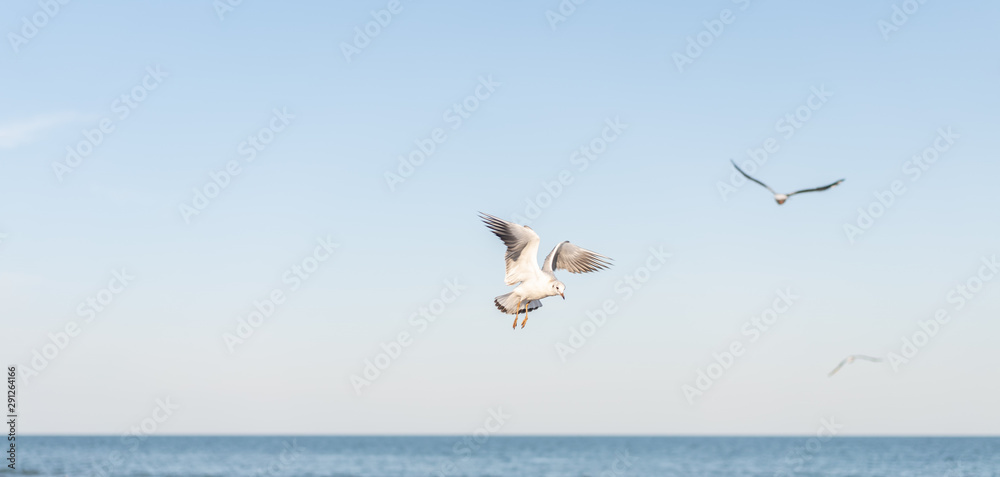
(751,178)
(841,365)
(522,246)
(567,256)
(835,184)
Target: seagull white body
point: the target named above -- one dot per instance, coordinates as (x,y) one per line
(781,198)
(537,287)
(533,282)
(850,360)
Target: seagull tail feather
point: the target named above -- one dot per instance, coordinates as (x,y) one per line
(507,304)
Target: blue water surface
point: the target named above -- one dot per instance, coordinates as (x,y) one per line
(507,456)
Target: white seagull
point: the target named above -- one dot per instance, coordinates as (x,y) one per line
(850,359)
(781,198)
(522,267)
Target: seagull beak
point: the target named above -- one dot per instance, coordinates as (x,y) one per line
(564,296)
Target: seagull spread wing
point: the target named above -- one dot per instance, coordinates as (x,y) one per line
(755,180)
(522,248)
(567,256)
(841,365)
(835,184)
(854,357)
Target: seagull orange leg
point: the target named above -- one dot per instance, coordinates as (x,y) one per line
(516,313)
(525,316)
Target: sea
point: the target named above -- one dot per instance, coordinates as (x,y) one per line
(483,455)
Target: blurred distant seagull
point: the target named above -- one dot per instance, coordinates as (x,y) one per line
(850,359)
(522,266)
(781,198)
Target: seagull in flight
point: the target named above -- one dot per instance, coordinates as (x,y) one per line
(781,198)
(534,283)
(850,359)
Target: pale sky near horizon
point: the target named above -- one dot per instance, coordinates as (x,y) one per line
(316,194)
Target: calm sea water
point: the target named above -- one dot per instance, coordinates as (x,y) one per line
(507,456)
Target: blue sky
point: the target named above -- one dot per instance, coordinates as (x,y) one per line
(344,124)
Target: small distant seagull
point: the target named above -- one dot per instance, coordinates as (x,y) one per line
(522,267)
(850,359)
(781,198)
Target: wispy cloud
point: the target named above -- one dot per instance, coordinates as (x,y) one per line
(16,133)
